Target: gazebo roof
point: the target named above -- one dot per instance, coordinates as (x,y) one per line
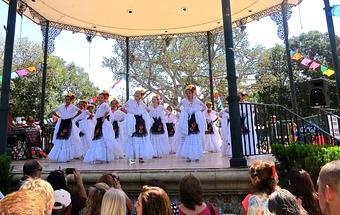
(145,18)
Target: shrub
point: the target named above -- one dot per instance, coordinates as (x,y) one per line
(306,156)
(5,173)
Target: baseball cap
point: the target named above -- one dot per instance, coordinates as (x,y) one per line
(63,197)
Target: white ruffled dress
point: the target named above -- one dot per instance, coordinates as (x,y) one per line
(64,150)
(137,146)
(212,142)
(86,130)
(159,142)
(119,145)
(225,132)
(191,146)
(102,149)
(249,138)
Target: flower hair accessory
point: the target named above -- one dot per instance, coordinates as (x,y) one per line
(71,96)
(191,87)
(274,174)
(208,103)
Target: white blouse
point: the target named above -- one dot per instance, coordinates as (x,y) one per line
(190,108)
(102,109)
(134,107)
(117,115)
(212,116)
(66,112)
(170,117)
(157,112)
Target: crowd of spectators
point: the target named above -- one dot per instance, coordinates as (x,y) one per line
(36,196)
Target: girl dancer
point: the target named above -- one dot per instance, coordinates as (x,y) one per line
(170,125)
(159,134)
(117,120)
(225,132)
(212,138)
(191,125)
(138,123)
(102,145)
(66,140)
(83,124)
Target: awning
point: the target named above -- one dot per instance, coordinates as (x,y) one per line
(145,18)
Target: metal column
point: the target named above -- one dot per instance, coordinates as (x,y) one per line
(238,159)
(127,69)
(210,71)
(6,76)
(43,82)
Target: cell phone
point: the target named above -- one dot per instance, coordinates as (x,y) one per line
(69,171)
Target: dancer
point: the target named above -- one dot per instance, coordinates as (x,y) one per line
(212,138)
(138,124)
(102,146)
(170,126)
(66,140)
(83,124)
(158,131)
(91,119)
(249,136)
(117,118)
(191,125)
(225,132)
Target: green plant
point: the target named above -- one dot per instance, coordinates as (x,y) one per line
(306,156)
(5,173)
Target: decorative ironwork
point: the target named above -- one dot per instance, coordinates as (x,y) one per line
(278,19)
(53,32)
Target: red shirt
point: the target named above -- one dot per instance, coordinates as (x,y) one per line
(206,211)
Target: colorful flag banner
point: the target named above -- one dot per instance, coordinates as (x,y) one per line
(14,75)
(314,65)
(297,56)
(323,69)
(335,10)
(217,96)
(22,72)
(306,62)
(292,52)
(31,69)
(0,77)
(329,72)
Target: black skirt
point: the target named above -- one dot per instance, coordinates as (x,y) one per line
(80,133)
(192,125)
(157,127)
(171,129)
(140,129)
(115,128)
(210,129)
(65,129)
(98,130)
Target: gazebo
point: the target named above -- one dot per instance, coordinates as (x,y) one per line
(131,20)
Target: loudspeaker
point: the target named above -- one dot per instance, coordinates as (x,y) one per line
(318,93)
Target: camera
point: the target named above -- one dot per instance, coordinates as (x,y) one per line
(69,171)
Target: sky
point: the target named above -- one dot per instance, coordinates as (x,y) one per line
(308,16)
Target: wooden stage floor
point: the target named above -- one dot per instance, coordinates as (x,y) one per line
(210,161)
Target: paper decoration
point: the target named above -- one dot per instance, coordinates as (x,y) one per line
(297,56)
(217,97)
(22,72)
(291,52)
(314,65)
(31,69)
(0,77)
(335,10)
(92,100)
(329,72)
(323,68)
(14,75)
(306,62)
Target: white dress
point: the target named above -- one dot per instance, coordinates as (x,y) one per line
(138,144)
(158,132)
(117,120)
(212,138)
(191,140)
(225,132)
(248,132)
(102,146)
(171,119)
(66,148)
(85,130)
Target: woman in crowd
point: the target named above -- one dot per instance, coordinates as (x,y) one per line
(191,196)
(102,146)
(212,138)
(117,118)
(191,125)
(282,202)
(158,132)
(225,132)
(94,201)
(83,125)
(153,201)
(170,126)
(302,187)
(113,202)
(66,140)
(138,124)
(264,180)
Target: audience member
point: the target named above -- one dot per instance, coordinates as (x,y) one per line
(113,202)
(1,195)
(43,187)
(153,201)
(329,188)
(94,201)
(62,203)
(112,179)
(58,181)
(282,202)
(264,180)
(191,195)
(24,202)
(31,169)
(302,187)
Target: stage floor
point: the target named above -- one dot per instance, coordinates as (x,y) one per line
(210,161)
